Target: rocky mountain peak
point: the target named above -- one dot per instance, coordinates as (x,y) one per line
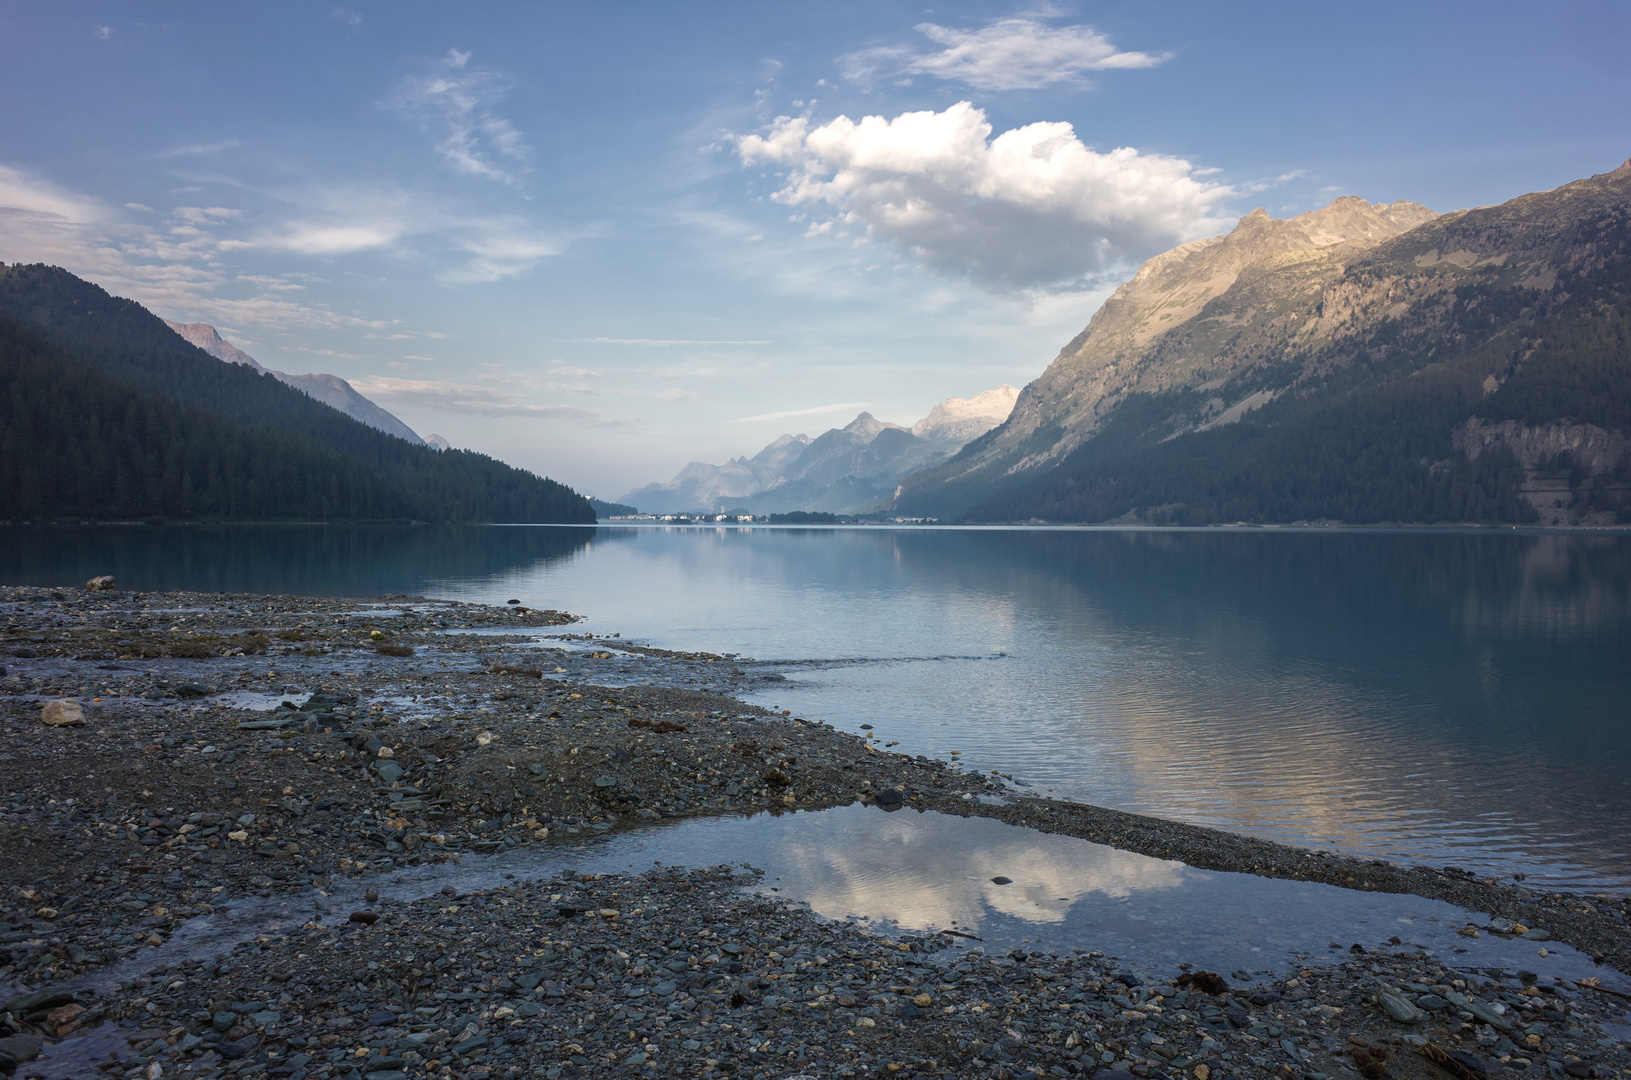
(961,420)
(866,427)
(206,337)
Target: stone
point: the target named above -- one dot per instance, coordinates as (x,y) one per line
(191,690)
(1397,1007)
(388,770)
(63,712)
(1487,1015)
(890,796)
(233,1050)
(22,1047)
(36,1000)
(367,918)
(382,1018)
(101,583)
(605,781)
(1000,880)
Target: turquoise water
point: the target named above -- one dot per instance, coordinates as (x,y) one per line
(1450,697)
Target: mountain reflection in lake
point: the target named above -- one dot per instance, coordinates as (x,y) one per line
(1450,696)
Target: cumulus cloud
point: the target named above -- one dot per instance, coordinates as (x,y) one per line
(492,397)
(1031,208)
(457,102)
(1019,53)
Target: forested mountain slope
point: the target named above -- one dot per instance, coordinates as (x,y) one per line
(1362,363)
(130,351)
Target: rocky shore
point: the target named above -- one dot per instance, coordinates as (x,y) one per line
(170,755)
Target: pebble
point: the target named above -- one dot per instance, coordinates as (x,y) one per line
(577,976)
(699,976)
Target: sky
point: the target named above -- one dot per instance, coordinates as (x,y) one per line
(601,240)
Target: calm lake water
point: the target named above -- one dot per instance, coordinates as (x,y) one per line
(1451,697)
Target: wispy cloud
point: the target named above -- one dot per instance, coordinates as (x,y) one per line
(173,267)
(674,393)
(342,15)
(200,149)
(818,410)
(1018,53)
(350,219)
(457,102)
(661,342)
(499,249)
(494,398)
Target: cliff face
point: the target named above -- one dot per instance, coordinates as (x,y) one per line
(1192,316)
(1279,312)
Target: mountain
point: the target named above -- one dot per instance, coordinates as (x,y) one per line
(331,390)
(701,486)
(959,421)
(851,469)
(162,429)
(1360,363)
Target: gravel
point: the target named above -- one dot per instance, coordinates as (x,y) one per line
(436,730)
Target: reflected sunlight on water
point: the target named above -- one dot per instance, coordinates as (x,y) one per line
(1452,697)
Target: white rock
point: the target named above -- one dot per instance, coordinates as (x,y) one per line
(64,712)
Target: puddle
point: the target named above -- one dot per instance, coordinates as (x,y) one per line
(915,871)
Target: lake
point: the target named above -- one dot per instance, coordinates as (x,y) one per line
(1454,697)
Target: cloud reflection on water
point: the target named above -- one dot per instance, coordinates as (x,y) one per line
(914,872)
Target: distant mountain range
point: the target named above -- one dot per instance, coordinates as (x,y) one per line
(109,415)
(1361,363)
(852,469)
(331,390)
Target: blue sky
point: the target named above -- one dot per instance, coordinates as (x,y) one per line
(602,240)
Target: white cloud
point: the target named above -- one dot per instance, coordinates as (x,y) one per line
(314,238)
(498,250)
(1019,53)
(674,393)
(818,410)
(22,194)
(1033,207)
(205,215)
(662,342)
(173,270)
(488,398)
(576,372)
(458,101)
(200,149)
(349,18)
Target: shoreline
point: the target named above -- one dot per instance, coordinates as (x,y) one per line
(428,742)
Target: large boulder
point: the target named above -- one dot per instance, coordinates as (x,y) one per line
(64,712)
